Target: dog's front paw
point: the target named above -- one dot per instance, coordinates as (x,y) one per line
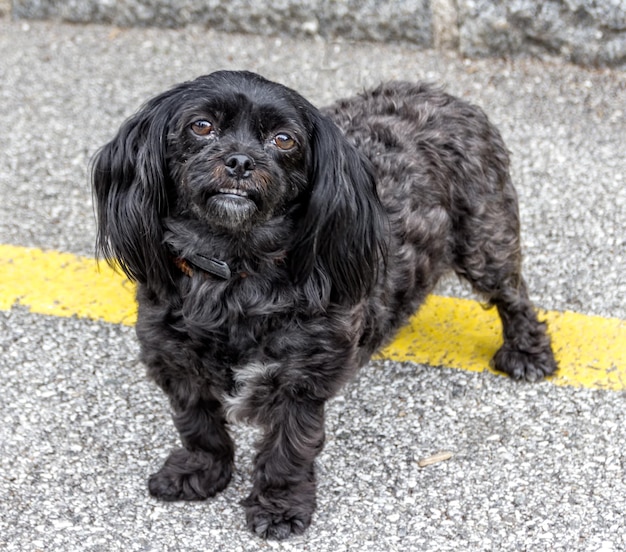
(188,475)
(279,514)
(531,365)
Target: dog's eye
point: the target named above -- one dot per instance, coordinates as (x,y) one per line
(202,127)
(284,141)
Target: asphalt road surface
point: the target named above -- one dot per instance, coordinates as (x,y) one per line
(532,467)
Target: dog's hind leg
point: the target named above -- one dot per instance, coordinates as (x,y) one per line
(489,257)
(526,352)
(204,466)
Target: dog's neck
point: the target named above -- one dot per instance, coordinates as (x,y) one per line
(223,257)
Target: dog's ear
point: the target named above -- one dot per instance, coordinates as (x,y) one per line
(340,238)
(130,179)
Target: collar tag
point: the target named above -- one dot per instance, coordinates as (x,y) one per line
(212,266)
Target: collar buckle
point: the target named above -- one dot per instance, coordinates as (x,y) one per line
(215,267)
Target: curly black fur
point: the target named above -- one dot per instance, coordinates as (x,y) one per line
(335,225)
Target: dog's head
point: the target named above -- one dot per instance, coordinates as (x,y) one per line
(234,152)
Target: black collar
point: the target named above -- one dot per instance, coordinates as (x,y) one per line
(209,265)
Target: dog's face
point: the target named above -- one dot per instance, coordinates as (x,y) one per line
(232,151)
(237,151)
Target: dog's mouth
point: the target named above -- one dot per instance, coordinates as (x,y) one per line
(234,193)
(231,203)
(234,196)
(230,206)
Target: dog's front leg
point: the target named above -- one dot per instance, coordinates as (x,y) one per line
(203,467)
(282,500)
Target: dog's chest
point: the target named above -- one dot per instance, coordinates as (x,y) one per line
(233,323)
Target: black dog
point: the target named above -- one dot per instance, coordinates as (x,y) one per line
(277,248)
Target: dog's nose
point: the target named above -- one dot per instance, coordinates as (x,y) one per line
(239,165)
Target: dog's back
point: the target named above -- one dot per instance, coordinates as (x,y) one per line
(442,173)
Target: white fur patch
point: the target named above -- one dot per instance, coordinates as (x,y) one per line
(248,380)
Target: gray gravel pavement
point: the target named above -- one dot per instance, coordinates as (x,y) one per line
(534,467)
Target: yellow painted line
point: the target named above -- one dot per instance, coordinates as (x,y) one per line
(459,333)
(456,333)
(62,284)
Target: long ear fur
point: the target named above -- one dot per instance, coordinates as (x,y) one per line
(341,233)
(130,181)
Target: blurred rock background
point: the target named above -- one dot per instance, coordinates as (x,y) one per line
(587,32)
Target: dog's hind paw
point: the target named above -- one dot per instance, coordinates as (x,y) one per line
(531,365)
(190,475)
(278,518)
